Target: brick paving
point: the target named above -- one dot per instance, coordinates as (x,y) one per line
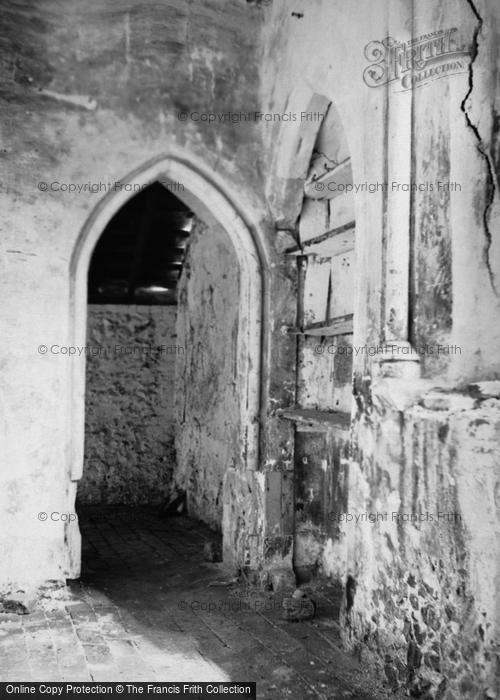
(149,608)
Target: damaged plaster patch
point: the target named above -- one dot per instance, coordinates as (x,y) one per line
(491,184)
(84,101)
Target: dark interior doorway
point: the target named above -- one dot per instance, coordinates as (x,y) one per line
(132,351)
(139,257)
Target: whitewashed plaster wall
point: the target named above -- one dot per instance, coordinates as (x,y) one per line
(208,382)
(89,107)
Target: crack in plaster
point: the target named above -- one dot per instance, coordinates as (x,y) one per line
(480,145)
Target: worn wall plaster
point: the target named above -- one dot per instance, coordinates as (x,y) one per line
(129,431)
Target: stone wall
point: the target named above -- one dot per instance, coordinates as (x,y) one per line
(208,383)
(418,560)
(129,428)
(418,594)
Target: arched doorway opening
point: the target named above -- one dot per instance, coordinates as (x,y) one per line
(205,198)
(132,352)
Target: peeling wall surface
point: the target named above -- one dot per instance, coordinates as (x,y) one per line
(208,381)
(421,551)
(129,431)
(402,514)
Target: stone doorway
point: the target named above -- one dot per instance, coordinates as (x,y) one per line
(132,352)
(222,226)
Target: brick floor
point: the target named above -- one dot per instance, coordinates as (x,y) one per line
(148,608)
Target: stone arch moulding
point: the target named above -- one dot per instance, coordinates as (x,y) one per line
(295,143)
(209,199)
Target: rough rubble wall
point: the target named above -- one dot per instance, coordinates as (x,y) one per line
(208,383)
(129,430)
(419,561)
(90,92)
